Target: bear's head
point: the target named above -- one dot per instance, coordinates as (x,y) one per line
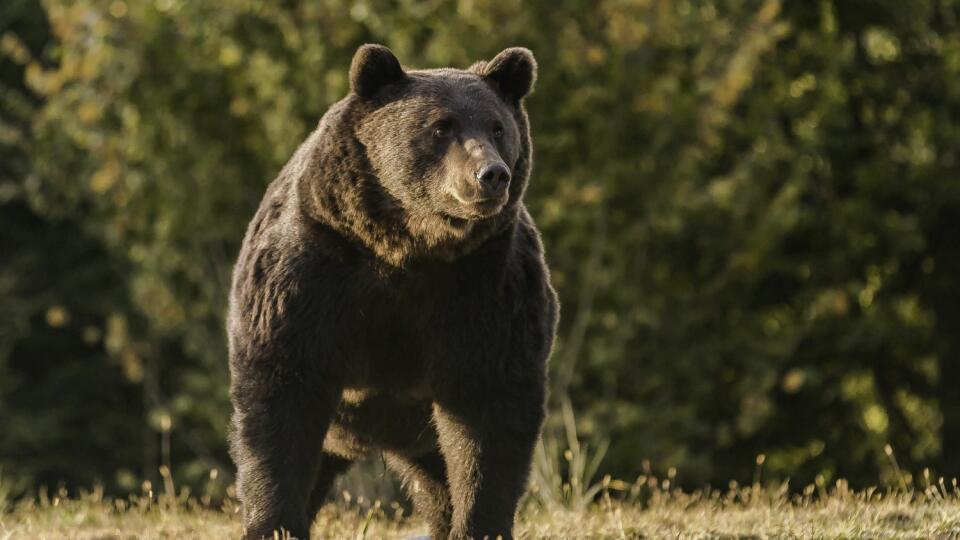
(448,148)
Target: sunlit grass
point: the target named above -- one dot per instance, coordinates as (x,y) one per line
(646,508)
(565,501)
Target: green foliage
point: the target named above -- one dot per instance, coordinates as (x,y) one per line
(749,206)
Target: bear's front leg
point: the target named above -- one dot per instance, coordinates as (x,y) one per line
(487,438)
(276,443)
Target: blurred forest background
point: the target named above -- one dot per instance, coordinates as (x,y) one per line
(751,209)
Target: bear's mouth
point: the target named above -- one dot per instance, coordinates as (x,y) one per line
(476,209)
(473,214)
(487,208)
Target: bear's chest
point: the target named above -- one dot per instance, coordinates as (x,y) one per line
(393,332)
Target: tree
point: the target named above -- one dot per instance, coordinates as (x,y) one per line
(748,206)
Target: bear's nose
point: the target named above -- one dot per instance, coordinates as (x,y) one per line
(494,175)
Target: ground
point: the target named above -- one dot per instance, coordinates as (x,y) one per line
(750,513)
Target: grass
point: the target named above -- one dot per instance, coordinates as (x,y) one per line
(647,508)
(565,501)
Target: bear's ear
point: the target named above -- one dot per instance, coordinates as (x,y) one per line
(512,72)
(372,68)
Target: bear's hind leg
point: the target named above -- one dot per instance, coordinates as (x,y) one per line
(425,481)
(331,466)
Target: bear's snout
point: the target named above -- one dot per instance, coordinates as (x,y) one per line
(494,177)
(482,193)
(492,181)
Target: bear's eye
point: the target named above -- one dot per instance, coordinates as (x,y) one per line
(443,129)
(497,131)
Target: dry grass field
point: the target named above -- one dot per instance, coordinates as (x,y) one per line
(619,512)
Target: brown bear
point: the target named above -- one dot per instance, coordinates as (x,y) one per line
(391,296)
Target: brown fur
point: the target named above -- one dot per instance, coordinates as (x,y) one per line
(391,297)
